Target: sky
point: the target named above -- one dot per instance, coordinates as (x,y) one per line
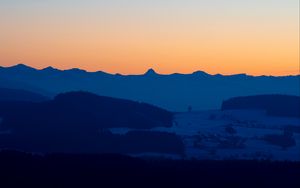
(257,37)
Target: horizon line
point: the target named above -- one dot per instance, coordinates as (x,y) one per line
(148,71)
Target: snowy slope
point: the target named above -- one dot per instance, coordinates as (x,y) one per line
(234,134)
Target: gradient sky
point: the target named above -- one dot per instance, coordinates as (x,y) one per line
(258,37)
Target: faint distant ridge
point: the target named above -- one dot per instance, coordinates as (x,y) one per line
(275,105)
(7,94)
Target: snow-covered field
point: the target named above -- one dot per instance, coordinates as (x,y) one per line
(235,134)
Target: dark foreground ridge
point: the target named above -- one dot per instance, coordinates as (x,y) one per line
(111,170)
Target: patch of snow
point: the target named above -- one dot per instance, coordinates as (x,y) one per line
(203,131)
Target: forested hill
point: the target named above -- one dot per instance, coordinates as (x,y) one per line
(275,105)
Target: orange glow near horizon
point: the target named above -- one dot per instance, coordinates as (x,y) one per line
(130,41)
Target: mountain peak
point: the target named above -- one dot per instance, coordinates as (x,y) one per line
(49,69)
(200,73)
(21,67)
(151,72)
(76,70)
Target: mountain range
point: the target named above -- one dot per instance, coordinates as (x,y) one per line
(174,92)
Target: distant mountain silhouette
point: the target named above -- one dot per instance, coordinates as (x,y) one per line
(21,68)
(275,105)
(50,70)
(174,92)
(20,95)
(150,72)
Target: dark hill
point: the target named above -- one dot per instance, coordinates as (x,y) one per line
(84,109)
(79,122)
(275,105)
(112,112)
